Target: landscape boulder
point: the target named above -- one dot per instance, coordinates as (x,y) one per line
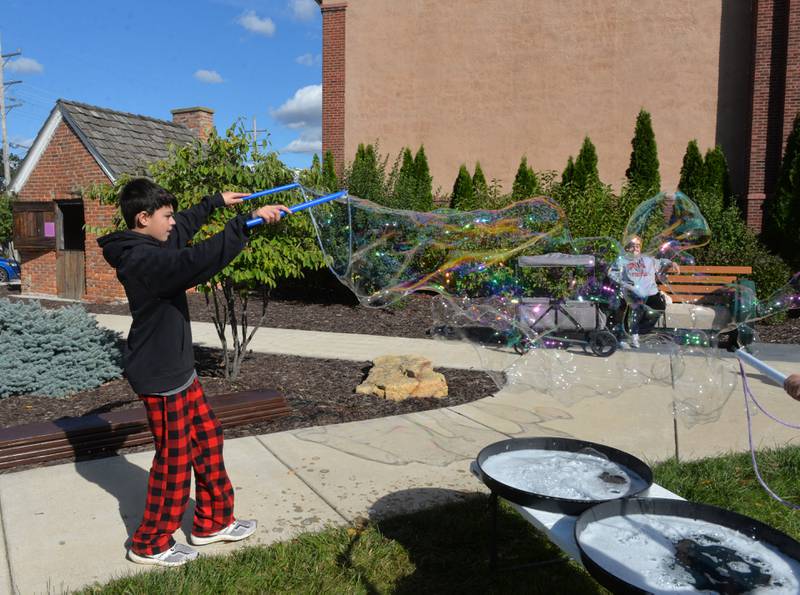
(399,377)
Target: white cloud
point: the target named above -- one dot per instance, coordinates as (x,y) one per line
(208,76)
(25,65)
(255,24)
(303,110)
(305,59)
(310,141)
(304,10)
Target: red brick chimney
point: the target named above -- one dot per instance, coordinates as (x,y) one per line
(199,120)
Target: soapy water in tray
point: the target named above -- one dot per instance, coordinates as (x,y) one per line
(582,475)
(669,554)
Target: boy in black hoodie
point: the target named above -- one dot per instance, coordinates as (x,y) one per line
(156,266)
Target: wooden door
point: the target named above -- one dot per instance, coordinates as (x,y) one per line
(70,276)
(70,246)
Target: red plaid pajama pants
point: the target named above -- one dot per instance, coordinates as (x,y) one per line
(187,436)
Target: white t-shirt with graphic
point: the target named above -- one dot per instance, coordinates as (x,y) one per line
(638,274)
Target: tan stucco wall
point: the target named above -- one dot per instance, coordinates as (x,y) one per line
(491,80)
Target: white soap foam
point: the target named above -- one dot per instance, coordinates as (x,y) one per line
(640,549)
(583,475)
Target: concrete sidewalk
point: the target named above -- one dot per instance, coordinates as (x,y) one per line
(65,526)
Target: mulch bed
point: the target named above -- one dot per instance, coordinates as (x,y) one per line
(319,391)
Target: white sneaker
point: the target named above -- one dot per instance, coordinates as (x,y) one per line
(236,531)
(624,345)
(177,555)
(635,341)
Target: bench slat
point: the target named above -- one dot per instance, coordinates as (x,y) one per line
(721,270)
(693,289)
(704,279)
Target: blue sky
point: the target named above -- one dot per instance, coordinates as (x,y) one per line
(242,58)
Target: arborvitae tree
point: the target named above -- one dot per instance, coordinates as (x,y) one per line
(693,170)
(424,198)
(366,178)
(405,190)
(568,175)
(479,187)
(585,172)
(642,172)
(781,218)
(329,178)
(526,184)
(463,197)
(718,178)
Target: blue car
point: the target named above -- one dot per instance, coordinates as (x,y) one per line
(9,270)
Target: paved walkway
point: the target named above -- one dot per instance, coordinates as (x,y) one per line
(65,526)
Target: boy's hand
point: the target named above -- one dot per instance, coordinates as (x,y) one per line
(271,213)
(233,198)
(674,268)
(792,386)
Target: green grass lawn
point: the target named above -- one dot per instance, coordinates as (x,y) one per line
(445,549)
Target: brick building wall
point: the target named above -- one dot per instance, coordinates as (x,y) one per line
(333,75)
(63,169)
(775,97)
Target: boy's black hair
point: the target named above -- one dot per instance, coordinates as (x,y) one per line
(141,194)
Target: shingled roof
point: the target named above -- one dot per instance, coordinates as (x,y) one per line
(123,142)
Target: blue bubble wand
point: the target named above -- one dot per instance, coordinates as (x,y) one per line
(295,208)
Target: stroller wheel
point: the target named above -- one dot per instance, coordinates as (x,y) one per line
(602,343)
(522,346)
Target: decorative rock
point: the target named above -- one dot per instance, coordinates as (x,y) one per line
(398,377)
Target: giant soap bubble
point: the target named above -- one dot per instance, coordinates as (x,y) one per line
(514,283)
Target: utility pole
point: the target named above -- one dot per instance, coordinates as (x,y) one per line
(3,85)
(255,135)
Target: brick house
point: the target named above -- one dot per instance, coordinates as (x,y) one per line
(493,80)
(82,145)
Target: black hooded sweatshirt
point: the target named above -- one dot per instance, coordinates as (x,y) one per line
(159,355)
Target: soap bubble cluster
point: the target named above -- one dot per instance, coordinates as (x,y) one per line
(553,312)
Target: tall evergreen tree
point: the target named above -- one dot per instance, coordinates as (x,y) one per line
(329,178)
(463,197)
(718,178)
(585,173)
(479,187)
(405,190)
(568,175)
(365,178)
(692,182)
(526,184)
(424,197)
(642,172)
(781,217)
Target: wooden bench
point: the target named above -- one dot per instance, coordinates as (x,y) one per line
(105,433)
(702,284)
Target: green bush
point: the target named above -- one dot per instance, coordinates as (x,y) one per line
(643,169)
(6,219)
(585,174)
(463,197)
(424,198)
(693,173)
(329,179)
(782,207)
(479,186)
(404,195)
(366,176)
(526,184)
(53,352)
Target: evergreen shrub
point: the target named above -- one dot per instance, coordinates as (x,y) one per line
(643,169)
(54,352)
